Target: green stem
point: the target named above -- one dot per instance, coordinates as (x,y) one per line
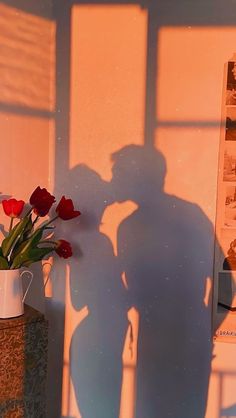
(44,226)
(37,217)
(45,241)
(29,212)
(11,224)
(52,220)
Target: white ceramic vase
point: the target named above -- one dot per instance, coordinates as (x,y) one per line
(11,292)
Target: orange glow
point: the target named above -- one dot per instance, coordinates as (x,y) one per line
(112,218)
(107,83)
(108,76)
(207,299)
(72,319)
(223,380)
(128,390)
(186,144)
(189,89)
(189,97)
(190,72)
(26,59)
(47,281)
(27,84)
(107,108)
(26,165)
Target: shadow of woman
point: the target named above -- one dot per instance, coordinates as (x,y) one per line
(95,281)
(165,249)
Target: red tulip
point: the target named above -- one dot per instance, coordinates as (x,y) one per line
(65,209)
(63,248)
(41,200)
(13,207)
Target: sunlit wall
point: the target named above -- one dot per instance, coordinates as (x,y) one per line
(26,106)
(26,77)
(126,75)
(110,107)
(107,112)
(189,105)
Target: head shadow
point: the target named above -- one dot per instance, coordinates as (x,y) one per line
(95,283)
(165,249)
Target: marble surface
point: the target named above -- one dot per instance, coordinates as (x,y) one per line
(23,365)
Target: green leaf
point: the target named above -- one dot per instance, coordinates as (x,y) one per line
(11,239)
(3,264)
(27,230)
(20,243)
(28,250)
(29,256)
(17,249)
(29,243)
(35,238)
(39,253)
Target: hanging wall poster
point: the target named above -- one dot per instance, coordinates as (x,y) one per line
(224,293)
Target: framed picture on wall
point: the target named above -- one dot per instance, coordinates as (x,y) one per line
(230,126)
(229,170)
(230,206)
(231,84)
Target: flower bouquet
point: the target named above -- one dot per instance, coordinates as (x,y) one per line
(29,240)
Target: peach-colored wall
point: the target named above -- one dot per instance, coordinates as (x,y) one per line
(107,111)
(190,90)
(26,106)
(104,103)
(26,73)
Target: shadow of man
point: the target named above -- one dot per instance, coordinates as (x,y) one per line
(165,249)
(95,282)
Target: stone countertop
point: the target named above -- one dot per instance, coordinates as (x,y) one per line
(30,315)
